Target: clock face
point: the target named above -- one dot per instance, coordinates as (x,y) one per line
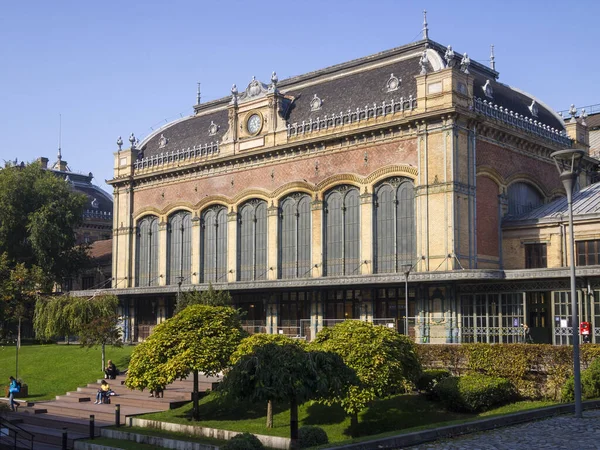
(254,124)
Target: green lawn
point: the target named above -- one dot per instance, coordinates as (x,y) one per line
(52,369)
(399,414)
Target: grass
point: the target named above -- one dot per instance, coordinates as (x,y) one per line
(400,414)
(53,369)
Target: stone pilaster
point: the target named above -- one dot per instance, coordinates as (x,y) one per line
(232,229)
(272,241)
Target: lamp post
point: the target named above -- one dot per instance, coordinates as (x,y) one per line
(406,268)
(568,163)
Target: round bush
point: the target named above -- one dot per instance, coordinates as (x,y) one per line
(590,383)
(430,378)
(474,393)
(244,441)
(311,436)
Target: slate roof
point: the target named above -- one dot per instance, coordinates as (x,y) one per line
(585,202)
(101,251)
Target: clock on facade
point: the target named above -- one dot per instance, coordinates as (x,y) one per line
(254,124)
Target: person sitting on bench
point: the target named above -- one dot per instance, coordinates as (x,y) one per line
(111,371)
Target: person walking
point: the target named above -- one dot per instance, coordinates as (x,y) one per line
(13,388)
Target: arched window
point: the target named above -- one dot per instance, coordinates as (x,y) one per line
(394,217)
(252,241)
(342,231)
(213,254)
(522,198)
(146,260)
(294,237)
(179,248)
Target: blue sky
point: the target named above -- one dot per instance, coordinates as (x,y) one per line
(111,67)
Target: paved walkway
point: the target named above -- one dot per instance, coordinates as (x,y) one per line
(562,432)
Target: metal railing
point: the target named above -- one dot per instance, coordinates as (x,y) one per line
(183,155)
(254,326)
(13,436)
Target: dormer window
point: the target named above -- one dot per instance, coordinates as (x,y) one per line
(487,89)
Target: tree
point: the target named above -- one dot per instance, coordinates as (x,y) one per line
(94,320)
(385,361)
(249,345)
(39,213)
(286,372)
(201,338)
(210,297)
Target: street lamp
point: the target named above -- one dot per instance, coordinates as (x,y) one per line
(406,268)
(568,163)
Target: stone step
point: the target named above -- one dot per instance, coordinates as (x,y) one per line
(169,394)
(53,436)
(102,412)
(74,398)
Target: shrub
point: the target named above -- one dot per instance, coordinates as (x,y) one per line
(474,393)
(430,378)
(311,436)
(244,441)
(590,383)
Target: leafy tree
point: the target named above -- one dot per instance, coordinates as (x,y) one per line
(39,213)
(286,372)
(251,343)
(201,338)
(385,362)
(94,320)
(210,297)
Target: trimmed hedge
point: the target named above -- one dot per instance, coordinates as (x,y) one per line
(430,378)
(244,441)
(590,384)
(311,436)
(535,370)
(474,393)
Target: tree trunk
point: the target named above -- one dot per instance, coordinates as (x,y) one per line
(294,424)
(353,423)
(270,414)
(103,356)
(196,411)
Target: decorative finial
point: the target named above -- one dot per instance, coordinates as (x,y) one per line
(132,141)
(423,62)
(198,95)
(59,156)
(274,78)
(465,63)
(583,116)
(119,143)
(573,112)
(449,57)
(492,58)
(425,29)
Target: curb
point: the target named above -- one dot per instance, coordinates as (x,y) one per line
(422,437)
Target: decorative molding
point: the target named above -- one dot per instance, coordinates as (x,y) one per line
(487,89)
(393,83)
(533,108)
(213,128)
(316,103)
(163,141)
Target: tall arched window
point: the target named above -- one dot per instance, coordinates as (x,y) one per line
(179,248)
(522,198)
(294,237)
(342,231)
(252,241)
(146,261)
(213,254)
(394,217)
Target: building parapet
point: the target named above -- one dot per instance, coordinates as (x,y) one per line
(521,122)
(352,116)
(94,214)
(198,151)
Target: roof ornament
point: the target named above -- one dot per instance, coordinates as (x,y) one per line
(573,112)
(425,28)
(253,88)
(583,116)
(487,89)
(95,203)
(393,83)
(119,143)
(423,61)
(234,94)
(533,108)
(316,103)
(212,128)
(198,95)
(449,57)
(132,141)
(465,63)
(274,81)
(492,58)
(163,141)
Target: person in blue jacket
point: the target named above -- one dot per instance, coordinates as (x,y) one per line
(12,389)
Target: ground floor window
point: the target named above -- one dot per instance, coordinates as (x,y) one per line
(492,318)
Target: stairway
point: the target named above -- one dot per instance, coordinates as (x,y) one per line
(47,419)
